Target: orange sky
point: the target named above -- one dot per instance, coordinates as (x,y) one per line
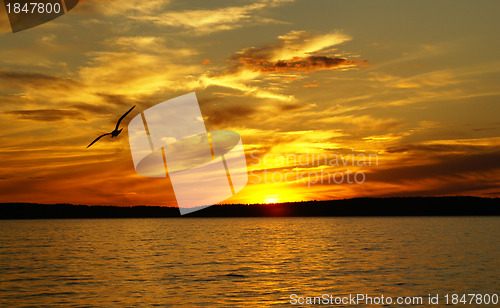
(413,82)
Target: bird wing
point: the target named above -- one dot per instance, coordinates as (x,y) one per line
(95,140)
(123,116)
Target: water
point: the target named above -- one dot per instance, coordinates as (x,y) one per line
(252,262)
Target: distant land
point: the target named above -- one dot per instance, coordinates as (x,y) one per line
(411,206)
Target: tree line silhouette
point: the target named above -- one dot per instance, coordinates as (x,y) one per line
(400,206)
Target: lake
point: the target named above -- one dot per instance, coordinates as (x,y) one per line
(250,262)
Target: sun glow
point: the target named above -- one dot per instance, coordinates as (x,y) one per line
(271,199)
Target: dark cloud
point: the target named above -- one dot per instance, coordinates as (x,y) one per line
(254,53)
(290,107)
(434,148)
(231,114)
(97,109)
(45,115)
(295,51)
(116,99)
(484,129)
(445,188)
(14,101)
(22,80)
(495,194)
(311,63)
(206,101)
(443,166)
(234,113)
(464,174)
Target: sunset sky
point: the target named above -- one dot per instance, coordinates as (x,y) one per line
(414,82)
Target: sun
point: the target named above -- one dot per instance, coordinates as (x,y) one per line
(271,199)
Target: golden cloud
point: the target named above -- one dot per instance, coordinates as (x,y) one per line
(203,21)
(296,51)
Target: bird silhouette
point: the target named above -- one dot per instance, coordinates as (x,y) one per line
(116,131)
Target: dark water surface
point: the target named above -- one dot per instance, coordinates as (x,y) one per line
(254,262)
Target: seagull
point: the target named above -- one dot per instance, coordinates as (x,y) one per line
(115,132)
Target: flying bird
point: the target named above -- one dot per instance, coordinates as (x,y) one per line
(116,131)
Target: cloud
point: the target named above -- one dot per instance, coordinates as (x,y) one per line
(137,74)
(45,115)
(454,83)
(116,99)
(230,113)
(241,80)
(29,80)
(311,63)
(119,7)
(431,79)
(218,111)
(361,122)
(425,148)
(138,43)
(440,167)
(204,21)
(448,146)
(450,168)
(291,107)
(300,43)
(451,174)
(296,52)
(93,109)
(149,45)
(131,70)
